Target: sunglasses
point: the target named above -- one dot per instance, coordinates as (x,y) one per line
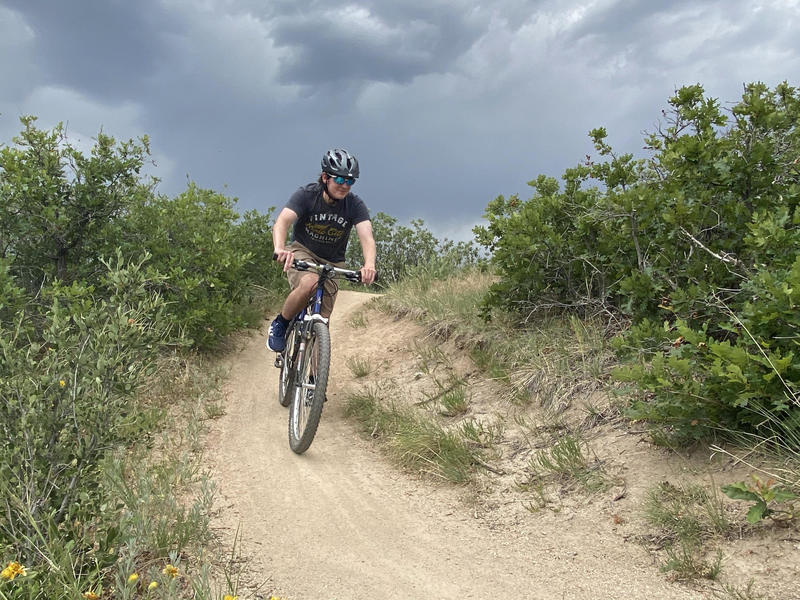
(343,180)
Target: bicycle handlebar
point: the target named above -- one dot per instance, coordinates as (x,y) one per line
(304,265)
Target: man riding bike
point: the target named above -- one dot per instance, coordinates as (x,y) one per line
(321,216)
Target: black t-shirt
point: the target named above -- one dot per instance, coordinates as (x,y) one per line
(322,228)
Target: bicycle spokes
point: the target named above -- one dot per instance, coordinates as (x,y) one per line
(305,386)
(311,379)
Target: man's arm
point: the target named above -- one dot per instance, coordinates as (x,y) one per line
(364,231)
(280,230)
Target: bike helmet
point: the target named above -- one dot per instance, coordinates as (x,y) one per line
(340,162)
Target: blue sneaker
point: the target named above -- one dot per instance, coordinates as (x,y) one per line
(277,336)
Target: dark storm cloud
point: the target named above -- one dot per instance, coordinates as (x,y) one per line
(104,48)
(447,103)
(392,42)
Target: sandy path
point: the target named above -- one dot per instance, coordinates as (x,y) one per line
(340,523)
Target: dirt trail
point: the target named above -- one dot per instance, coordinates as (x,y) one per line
(340,523)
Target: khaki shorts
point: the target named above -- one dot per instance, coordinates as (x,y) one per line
(331,287)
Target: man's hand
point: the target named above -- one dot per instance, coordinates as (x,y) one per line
(367,275)
(284,256)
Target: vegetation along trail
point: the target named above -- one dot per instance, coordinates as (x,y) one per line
(340,522)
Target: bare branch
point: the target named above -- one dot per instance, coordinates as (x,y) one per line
(724,256)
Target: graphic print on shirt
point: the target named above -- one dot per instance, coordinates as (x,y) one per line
(326,228)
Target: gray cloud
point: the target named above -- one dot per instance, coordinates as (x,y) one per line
(371,42)
(104,48)
(447,103)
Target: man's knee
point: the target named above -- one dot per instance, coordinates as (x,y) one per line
(307,284)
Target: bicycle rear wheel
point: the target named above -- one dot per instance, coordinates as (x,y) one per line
(286,379)
(309,388)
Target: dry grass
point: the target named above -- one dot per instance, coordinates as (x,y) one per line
(415,442)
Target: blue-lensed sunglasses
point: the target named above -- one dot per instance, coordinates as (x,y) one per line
(343,180)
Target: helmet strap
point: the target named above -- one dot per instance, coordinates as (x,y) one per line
(328,193)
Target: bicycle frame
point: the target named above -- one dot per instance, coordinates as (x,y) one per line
(325,273)
(302,321)
(305,360)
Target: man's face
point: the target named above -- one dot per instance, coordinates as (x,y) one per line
(336,190)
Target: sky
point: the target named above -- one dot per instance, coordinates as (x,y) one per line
(446,104)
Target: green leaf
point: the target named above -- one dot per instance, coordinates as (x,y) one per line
(757,512)
(783,495)
(740,491)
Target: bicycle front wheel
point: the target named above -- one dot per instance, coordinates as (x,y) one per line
(309,389)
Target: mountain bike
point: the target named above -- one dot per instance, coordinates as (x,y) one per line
(306,359)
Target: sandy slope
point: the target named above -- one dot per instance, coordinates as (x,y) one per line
(341,523)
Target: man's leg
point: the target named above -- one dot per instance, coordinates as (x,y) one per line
(298,297)
(294,303)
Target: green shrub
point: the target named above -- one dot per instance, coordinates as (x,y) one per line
(205,260)
(698,246)
(253,237)
(69,363)
(401,248)
(59,208)
(61,211)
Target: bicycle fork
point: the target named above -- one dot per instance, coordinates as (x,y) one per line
(305,352)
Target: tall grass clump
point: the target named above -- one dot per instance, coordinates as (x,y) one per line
(558,360)
(359,367)
(773,450)
(688,518)
(159,495)
(568,461)
(415,442)
(438,295)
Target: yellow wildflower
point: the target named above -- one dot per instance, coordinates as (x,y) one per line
(229,597)
(90,595)
(170,570)
(62,383)
(153,585)
(12,570)
(133,577)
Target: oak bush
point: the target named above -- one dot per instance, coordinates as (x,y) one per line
(693,252)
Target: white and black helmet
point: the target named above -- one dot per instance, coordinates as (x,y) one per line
(340,162)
